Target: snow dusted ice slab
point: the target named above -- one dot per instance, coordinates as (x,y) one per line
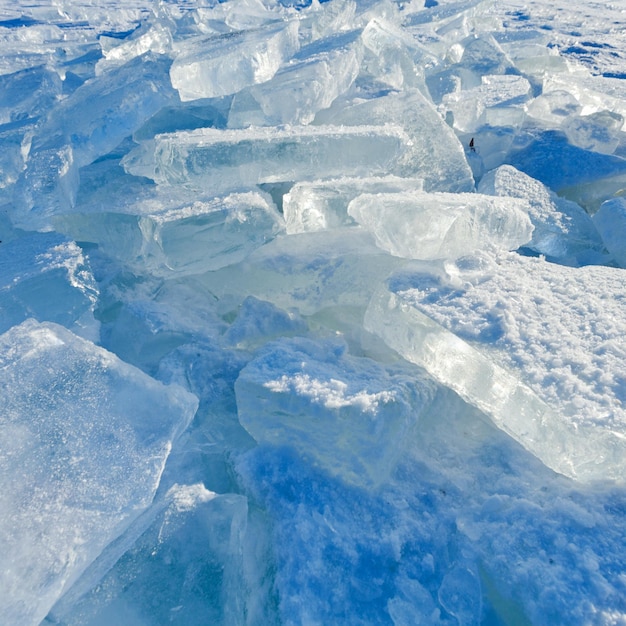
(320,205)
(201,236)
(45,276)
(84,438)
(349,416)
(209,67)
(537,346)
(217,160)
(562,229)
(419,225)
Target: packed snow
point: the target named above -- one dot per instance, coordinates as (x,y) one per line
(313,312)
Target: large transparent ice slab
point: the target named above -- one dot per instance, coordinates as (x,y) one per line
(310,82)
(209,67)
(45,276)
(84,441)
(307,272)
(89,123)
(513,336)
(186,567)
(347,415)
(562,229)
(435,154)
(215,160)
(420,225)
(203,235)
(320,205)
(610,220)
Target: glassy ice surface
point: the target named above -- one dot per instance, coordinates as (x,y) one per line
(419,225)
(213,160)
(312,313)
(84,439)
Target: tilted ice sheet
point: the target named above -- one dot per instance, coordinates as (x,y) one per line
(310,82)
(434,153)
(217,66)
(350,416)
(537,346)
(84,441)
(46,276)
(217,160)
(420,225)
(185,568)
(190,239)
(86,125)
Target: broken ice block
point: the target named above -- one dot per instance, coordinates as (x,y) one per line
(84,439)
(28,93)
(610,220)
(514,336)
(348,415)
(434,153)
(599,132)
(216,160)
(473,108)
(308,272)
(419,225)
(209,67)
(392,56)
(89,123)
(185,568)
(321,205)
(310,82)
(554,107)
(189,239)
(45,276)
(562,229)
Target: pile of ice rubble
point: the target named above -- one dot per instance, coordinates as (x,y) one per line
(283,290)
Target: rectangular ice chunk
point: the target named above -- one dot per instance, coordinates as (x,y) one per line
(346,414)
(320,205)
(514,336)
(83,441)
(203,235)
(434,154)
(209,67)
(420,225)
(308,272)
(218,160)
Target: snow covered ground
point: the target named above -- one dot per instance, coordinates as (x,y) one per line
(312,313)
